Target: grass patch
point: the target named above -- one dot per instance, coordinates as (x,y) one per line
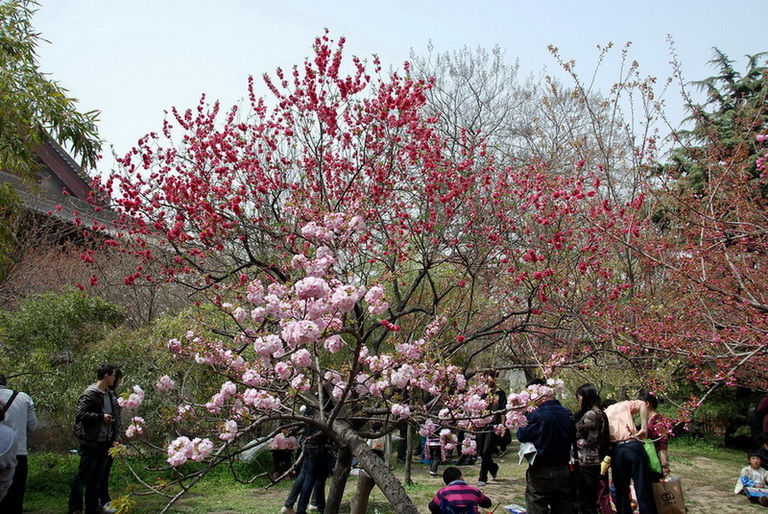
(708,473)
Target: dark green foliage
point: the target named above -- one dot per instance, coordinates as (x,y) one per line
(32,106)
(9,211)
(56,325)
(725,125)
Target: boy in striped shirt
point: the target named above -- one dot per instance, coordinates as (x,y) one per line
(457,497)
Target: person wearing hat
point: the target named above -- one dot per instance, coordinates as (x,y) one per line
(20,416)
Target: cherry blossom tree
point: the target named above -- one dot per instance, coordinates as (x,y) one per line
(705,236)
(363,271)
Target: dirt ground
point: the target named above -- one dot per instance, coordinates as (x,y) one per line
(708,479)
(707,484)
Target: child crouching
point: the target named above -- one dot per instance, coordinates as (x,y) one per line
(457,497)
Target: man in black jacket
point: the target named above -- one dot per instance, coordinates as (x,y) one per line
(94,429)
(551,429)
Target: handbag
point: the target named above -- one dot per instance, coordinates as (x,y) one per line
(668,495)
(653,458)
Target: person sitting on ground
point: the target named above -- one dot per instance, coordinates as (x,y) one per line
(753,476)
(457,497)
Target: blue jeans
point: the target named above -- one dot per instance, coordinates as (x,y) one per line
(311,480)
(93,458)
(630,463)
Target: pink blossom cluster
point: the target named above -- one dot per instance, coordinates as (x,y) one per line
(300,332)
(434,327)
(400,410)
(428,428)
(413,351)
(268,346)
(333,225)
(333,343)
(164,384)
(376,303)
(762,162)
(227,391)
(183,411)
(469,445)
(312,288)
(136,427)
(317,266)
(345,296)
(448,442)
(182,449)
(134,399)
(261,401)
(229,431)
(317,231)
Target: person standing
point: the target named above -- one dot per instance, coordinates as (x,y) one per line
(658,432)
(94,428)
(104,498)
(282,448)
(317,464)
(488,442)
(630,462)
(7,455)
(549,484)
(592,443)
(20,416)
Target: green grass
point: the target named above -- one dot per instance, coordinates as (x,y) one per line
(708,470)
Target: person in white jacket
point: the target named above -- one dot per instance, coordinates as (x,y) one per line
(7,455)
(20,416)
(755,477)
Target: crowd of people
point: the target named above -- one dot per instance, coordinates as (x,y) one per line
(572,458)
(97,428)
(603,458)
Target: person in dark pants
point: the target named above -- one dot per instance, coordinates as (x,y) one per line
(488,442)
(104,497)
(93,429)
(630,462)
(317,465)
(435,453)
(549,482)
(592,445)
(20,416)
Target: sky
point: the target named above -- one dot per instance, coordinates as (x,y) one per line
(134,59)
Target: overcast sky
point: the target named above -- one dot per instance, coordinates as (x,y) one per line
(134,59)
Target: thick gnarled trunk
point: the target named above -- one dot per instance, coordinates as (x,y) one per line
(376,468)
(339,481)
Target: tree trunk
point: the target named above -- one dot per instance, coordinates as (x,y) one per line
(365,485)
(408,479)
(339,480)
(376,468)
